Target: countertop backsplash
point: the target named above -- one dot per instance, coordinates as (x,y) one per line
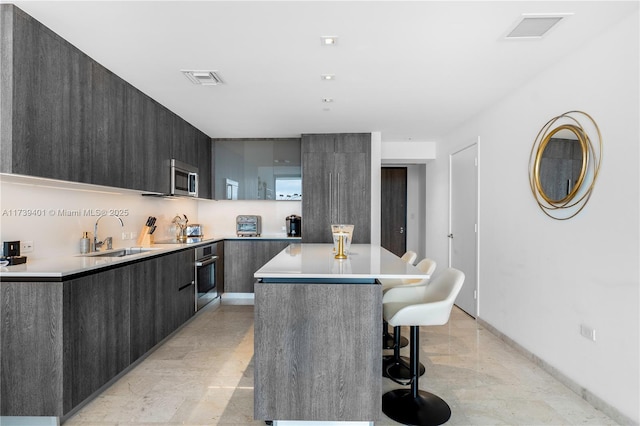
(219,217)
(54,215)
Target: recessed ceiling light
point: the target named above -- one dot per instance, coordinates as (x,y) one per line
(328,77)
(535,25)
(329,40)
(327,100)
(203,78)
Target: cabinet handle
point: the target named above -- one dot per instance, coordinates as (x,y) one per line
(186,285)
(330,197)
(402,229)
(338,197)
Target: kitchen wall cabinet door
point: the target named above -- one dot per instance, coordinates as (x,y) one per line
(336,187)
(65,116)
(205,166)
(44,111)
(106,135)
(147,144)
(242,258)
(97,334)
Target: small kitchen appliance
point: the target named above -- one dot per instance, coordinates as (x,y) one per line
(294,226)
(11,250)
(184,179)
(248,226)
(206,273)
(194,230)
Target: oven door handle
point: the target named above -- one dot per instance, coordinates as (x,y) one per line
(206,262)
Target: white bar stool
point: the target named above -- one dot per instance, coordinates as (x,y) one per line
(410,256)
(396,367)
(415,306)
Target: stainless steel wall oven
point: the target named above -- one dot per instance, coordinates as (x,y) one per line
(206,264)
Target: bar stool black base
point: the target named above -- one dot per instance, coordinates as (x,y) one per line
(425,409)
(387,341)
(399,370)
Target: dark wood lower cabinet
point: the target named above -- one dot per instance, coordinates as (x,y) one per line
(144,283)
(96,328)
(158,306)
(62,341)
(242,258)
(32,347)
(317,351)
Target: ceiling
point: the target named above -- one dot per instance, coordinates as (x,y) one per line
(411,70)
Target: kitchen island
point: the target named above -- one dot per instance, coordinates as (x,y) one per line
(318,333)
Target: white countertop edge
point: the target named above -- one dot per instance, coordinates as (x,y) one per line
(79,263)
(64,266)
(290,276)
(316,261)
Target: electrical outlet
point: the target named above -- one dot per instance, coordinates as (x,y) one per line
(588,332)
(133,235)
(125,235)
(26,246)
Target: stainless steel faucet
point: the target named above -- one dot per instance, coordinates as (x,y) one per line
(108,240)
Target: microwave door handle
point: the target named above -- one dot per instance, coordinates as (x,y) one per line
(209,261)
(194,190)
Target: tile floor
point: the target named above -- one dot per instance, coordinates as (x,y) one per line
(203,375)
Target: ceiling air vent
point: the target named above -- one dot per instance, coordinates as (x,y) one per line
(535,26)
(203,78)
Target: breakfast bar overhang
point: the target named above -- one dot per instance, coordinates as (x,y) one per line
(318,333)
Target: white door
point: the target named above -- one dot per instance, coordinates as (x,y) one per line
(463,223)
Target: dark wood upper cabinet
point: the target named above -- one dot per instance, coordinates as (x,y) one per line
(64,116)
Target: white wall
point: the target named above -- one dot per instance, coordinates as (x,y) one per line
(416,209)
(54,214)
(540,279)
(220,216)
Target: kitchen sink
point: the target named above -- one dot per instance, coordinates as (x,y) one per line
(121,252)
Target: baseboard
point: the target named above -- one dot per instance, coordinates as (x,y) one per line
(237,298)
(584,393)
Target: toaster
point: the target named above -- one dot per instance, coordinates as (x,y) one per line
(248,226)
(194,230)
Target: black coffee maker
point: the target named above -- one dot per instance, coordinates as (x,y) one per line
(294,226)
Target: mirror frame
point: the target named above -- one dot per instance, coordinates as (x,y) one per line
(583,140)
(586,130)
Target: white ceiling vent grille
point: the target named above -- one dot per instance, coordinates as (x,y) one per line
(203,78)
(535,26)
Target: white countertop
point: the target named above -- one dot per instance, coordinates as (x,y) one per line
(58,267)
(364,261)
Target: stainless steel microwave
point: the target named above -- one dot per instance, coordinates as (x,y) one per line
(184,179)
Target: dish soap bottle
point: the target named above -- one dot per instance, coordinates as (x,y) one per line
(85,243)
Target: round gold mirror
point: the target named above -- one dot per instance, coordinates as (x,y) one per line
(564,164)
(561,164)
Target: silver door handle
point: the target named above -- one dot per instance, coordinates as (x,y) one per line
(206,262)
(330,197)
(338,198)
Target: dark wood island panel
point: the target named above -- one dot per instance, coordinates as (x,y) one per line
(318,351)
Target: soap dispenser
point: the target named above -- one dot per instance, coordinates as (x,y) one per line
(85,243)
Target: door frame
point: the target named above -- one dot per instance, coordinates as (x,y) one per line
(449,243)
